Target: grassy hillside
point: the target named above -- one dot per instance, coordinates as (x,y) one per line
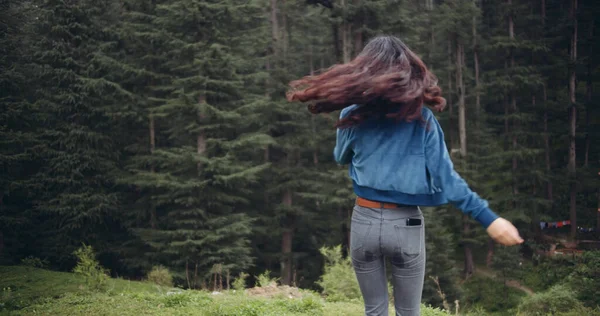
(31,291)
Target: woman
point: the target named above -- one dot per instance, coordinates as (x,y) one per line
(398,162)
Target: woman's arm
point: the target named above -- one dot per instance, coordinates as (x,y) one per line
(455,189)
(342,152)
(458,192)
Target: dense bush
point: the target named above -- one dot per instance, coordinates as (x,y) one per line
(585,279)
(160,275)
(87,266)
(491,295)
(265,279)
(338,280)
(240,282)
(580,274)
(34,262)
(546,272)
(558,300)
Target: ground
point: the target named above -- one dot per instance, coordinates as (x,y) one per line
(32,291)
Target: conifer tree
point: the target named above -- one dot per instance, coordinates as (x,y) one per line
(77,150)
(17,132)
(201,209)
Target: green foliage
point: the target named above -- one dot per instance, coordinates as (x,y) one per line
(160,275)
(338,280)
(558,300)
(30,286)
(491,295)
(34,262)
(157,132)
(585,278)
(440,265)
(239,284)
(94,274)
(57,293)
(508,261)
(547,272)
(264,279)
(431,311)
(579,274)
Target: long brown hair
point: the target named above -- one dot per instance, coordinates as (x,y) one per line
(386,78)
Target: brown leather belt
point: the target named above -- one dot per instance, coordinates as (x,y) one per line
(374,204)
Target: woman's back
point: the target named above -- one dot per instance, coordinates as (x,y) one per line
(398,161)
(385,154)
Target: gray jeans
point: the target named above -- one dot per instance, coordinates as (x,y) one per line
(377,234)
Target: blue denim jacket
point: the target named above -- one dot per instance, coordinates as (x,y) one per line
(406,163)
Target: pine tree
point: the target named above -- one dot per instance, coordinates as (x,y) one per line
(17,133)
(76,149)
(440,266)
(201,219)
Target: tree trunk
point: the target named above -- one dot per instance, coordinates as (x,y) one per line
(201,137)
(598,216)
(460,85)
(1,233)
(286,243)
(358,42)
(462,132)
(284,33)
(344,32)
(358,32)
(588,92)
(187,275)
(469,264)
(449,99)
(545,99)
(336,42)
(547,145)
(476,66)
(152,132)
(312,117)
(588,115)
(431,35)
(274,27)
(513,103)
(573,123)
(489,259)
(491,243)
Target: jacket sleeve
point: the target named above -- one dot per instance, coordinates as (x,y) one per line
(342,153)
(453,186)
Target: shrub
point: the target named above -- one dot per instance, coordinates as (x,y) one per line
(161,276)
(308,304)
(87,266)
(585,279)
(34,262)
(547,272)
(432,311)
(492,295)
(557,300)
(240,282)
(265,279)
(338,281)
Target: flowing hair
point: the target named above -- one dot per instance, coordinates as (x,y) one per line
(386,78)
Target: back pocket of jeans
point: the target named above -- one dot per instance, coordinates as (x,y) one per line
(409,240)
(359,231)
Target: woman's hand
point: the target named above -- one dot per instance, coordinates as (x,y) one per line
(503,232)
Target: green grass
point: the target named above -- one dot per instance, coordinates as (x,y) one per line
(24,286)
(32,291)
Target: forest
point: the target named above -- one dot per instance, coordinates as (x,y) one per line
(158,132)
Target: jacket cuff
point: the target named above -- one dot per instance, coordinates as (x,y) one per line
(486,217)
